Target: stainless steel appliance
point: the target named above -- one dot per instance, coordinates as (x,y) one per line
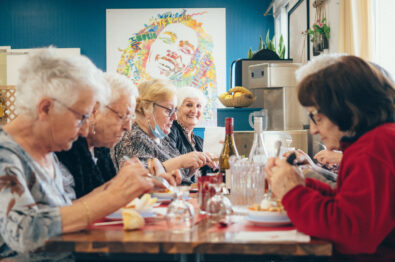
(239,70)
(274,85)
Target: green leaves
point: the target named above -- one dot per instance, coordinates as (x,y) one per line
(270,44)
(250,53)
(319,27)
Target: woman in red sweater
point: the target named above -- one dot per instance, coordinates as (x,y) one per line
(351,106)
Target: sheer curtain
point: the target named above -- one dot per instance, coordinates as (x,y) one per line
(384,34)
(355,36)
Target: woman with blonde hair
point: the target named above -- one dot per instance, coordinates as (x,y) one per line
(156,109)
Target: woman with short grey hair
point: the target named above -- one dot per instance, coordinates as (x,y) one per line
(55,97)
(191,102)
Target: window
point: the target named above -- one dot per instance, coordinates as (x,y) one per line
(384,34)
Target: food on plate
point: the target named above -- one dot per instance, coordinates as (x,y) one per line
(162,191)
(268,205)
(132,219)
(145,202)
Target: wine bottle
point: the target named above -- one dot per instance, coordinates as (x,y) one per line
(228,150)
(258,153)
(258,156)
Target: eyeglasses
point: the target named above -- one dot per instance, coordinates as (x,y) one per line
(170,111)
(83,117)
(312,116)
(123,118)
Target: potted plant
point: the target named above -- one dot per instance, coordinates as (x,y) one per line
(269,45)
(319,33)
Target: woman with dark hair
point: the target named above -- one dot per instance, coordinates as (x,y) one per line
(351,106)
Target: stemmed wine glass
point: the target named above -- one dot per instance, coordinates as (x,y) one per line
(180,215)
(218,206)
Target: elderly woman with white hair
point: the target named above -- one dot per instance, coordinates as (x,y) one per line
(54,98)
(89,160)
(191,102)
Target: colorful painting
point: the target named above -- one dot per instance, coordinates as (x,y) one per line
(186,46)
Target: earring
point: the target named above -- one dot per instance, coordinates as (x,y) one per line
(93,131)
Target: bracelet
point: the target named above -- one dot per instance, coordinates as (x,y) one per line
(88,212)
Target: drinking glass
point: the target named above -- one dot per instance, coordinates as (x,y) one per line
(218,206)
(180,215)
(206,190)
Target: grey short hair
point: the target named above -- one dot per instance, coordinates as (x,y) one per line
(190,92)
(47,74)
(316,64)
(120,84)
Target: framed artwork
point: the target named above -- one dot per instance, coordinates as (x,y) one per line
(185,46)
(298,22)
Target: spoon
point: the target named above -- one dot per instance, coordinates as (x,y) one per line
(157,178)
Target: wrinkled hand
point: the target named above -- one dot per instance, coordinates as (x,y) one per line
(174,177)
(156,168)
(328,157)
(194,160)
(130,182)
(282,177)
(214,164)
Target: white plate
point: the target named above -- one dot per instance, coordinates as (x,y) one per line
(268,219)
(144,213)
(168,196)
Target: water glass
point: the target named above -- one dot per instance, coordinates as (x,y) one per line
(180,215)
(248,182)
(218,206)
(206,189)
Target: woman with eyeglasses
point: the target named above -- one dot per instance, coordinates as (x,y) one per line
(89,159)
(54,98)
(156,109)
(351,106)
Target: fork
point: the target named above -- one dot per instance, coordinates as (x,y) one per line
(326,173)
(157,178)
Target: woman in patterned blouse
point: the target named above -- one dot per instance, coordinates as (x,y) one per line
(55,95)
(155,112)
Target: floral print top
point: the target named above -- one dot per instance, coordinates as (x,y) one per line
(136,143)
(29,199)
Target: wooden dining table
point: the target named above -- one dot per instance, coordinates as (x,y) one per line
(205,238)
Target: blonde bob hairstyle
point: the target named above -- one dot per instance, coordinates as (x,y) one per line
(153,91)
(48,74)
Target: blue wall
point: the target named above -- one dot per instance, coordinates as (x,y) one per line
(82,23)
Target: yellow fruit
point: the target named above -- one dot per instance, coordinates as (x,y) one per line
(223,95)
(228,96)
(240,89)
(237,94)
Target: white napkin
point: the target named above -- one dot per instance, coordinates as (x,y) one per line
(273,236)
(212,138)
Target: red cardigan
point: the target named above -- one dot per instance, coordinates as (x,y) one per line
(359,215)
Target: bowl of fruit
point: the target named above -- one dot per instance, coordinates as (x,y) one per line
(237,97)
